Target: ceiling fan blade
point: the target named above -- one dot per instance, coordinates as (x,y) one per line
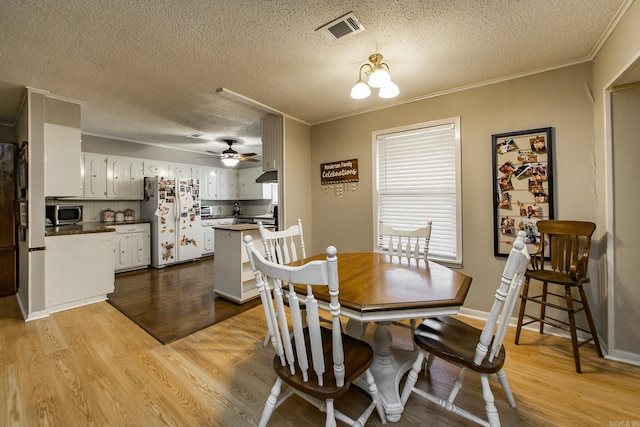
(247,159)
(248,154)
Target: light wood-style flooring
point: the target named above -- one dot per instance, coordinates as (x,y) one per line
(92,366)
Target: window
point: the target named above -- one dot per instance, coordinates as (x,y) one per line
(418,180)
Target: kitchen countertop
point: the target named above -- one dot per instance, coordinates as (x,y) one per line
(86,227)
(240,227)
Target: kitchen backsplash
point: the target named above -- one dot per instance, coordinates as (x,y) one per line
(93,208)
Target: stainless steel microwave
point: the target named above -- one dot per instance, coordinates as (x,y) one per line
(61,214)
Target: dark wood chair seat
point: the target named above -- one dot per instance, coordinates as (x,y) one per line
(555,277)
(452,340)
(358,356)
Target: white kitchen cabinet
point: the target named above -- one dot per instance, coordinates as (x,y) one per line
(248,189)
(62,161)
(272,140)
(208,237)
(78,270)
(111,177)
(227,184)
(155,168)
(124,178)
(94,176)
(131,247)
(208,181)
(232,274)
(179,170)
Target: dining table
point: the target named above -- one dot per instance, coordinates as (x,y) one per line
(379,288)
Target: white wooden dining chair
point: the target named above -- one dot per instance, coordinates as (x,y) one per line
(407,245)
(317,363)
(480,351)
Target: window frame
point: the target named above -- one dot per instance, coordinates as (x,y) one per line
(455,121)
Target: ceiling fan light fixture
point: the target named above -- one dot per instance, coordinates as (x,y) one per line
(230,161)
(379,77)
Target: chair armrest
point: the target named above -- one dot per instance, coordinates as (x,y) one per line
(578,269)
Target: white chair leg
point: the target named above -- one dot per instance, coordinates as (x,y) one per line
(430,360)
(330,421)
(373,392)
(457,385)
(412,378)
(502,377)
(272,400)
(267,338)
(489,402)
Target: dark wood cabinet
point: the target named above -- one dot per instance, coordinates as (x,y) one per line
(7,219)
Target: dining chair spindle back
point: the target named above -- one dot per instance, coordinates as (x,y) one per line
(317,363)
(405,244)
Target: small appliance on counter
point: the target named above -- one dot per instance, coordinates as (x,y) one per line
(62,214)
(236,208)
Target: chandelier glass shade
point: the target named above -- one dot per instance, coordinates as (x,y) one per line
(379,78)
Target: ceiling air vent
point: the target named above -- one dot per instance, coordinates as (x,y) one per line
(195,135)
(344,26)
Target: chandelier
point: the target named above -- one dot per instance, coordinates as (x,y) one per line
(379,77)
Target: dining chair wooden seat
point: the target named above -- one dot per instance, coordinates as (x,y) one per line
(472,349)
(565,270)
(406,245)
(317,363)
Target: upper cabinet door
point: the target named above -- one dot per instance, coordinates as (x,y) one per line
(63,161)
(124,178)
(156,168)
(95,176)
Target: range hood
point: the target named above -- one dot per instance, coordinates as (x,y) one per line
(267,177)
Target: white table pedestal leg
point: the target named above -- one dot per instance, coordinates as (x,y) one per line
(388,367)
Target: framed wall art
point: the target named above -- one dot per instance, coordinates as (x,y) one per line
(522,186)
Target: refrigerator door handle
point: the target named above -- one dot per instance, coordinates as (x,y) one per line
(39,248)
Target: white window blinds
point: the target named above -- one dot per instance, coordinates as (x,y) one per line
(418,181)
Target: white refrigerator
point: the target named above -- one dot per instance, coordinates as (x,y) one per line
(172,205)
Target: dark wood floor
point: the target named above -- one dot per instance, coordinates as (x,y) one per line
(175,301)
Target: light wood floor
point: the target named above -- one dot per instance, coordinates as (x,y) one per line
(93,366)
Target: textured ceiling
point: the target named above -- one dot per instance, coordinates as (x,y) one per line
(148,71)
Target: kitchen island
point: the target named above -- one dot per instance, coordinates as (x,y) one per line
(232,275)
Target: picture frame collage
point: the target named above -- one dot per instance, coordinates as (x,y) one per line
(522,185)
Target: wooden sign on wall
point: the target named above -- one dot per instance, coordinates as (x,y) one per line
(339,172)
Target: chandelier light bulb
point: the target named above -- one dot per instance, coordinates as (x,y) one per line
(379,78)
(389,90)
(360,90)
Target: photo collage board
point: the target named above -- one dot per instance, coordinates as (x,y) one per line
(523,186)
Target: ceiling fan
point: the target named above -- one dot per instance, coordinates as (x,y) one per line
(231,157)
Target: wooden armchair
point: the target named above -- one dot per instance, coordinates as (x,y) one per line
(316,363)
(479,351)
(568,243)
